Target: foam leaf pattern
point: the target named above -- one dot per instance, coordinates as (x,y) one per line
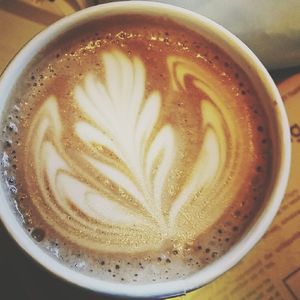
(123,119)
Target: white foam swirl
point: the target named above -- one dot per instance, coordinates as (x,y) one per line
(119,201)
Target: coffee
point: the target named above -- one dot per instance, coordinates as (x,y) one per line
(137,151)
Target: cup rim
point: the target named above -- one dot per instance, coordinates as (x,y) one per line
(226,261)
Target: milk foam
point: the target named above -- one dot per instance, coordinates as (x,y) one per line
(120,118)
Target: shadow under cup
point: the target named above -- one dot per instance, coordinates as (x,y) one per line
(262,83)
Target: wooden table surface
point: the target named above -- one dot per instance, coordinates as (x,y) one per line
(20,277)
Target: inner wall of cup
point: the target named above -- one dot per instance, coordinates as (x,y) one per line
(211,31)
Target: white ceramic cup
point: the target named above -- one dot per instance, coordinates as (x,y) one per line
(272,102)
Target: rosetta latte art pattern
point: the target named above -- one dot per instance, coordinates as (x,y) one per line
(116,202)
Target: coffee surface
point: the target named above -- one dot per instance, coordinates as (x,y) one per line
(136,151)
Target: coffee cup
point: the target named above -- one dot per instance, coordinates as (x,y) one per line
(145,149)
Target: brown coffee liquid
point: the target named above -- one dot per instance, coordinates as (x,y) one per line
(136,151)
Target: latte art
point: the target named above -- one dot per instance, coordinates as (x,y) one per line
(122,120)
(145,148)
